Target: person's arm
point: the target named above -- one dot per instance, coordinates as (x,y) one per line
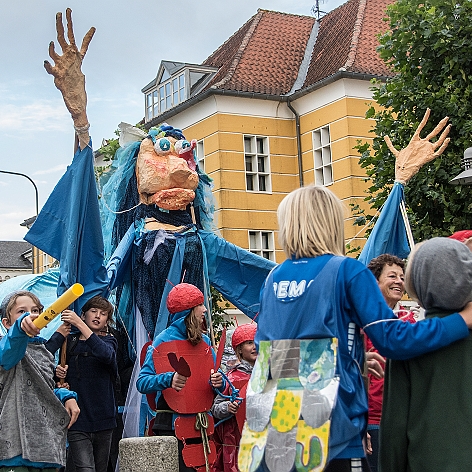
(150,382)
(69,316)
(394,423)
(393,338)
(103,348)
(69,400)
(55,342)
(217,381)
(13,344)
(219,408)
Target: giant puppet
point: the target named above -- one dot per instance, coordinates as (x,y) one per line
(156,215)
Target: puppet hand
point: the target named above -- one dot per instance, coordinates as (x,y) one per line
(216,379)
(61,372)
(28,326)
(419,151)
(73,410)
(68,76)
(178,382)
(375,363)
(233,407)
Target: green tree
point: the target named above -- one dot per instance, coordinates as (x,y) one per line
(429,50)
(218,311)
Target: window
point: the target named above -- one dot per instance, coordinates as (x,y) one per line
(322,156)
(262,244)
(256,158)
(44,261)
(149,106)
(201,155)
(167,95)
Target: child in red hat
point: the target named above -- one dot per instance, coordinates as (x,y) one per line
(228,432)
(178,369)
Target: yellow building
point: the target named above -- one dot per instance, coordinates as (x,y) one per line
(280,104)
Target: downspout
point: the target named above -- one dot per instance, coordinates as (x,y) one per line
(299,142)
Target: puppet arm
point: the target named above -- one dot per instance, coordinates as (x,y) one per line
(419,151)
(68,76)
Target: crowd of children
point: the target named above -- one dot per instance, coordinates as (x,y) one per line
(315,307)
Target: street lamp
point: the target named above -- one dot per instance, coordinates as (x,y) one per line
(30,179)
(465,178)
(36,194)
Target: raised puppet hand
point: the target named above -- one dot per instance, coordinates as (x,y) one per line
(419,151)
(68,76)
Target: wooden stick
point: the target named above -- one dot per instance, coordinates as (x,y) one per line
(63,358)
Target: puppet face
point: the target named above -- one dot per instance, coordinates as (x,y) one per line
(166,173)
(392,284)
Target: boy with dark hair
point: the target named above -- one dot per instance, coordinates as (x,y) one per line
(90,370)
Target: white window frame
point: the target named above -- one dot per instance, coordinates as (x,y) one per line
(262,244)
(165,96)
(257,164)
(45,261)
(322,157)
(201,155)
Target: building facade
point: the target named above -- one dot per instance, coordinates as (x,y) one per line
(280,104)
(15,259)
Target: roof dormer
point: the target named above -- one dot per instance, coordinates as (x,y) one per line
(175,82)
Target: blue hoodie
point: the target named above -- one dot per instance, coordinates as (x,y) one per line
(301,300)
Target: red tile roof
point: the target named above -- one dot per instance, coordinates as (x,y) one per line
(267,58)
(265,54)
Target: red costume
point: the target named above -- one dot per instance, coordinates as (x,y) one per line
(375,392)
(227,434)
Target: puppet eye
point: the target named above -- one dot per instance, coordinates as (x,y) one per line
(181,146)
(163,146)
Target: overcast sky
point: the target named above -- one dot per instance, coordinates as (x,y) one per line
(132,37)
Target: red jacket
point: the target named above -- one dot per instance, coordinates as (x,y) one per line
(375,392)
(227,434)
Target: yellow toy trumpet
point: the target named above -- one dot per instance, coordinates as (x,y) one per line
(67,298)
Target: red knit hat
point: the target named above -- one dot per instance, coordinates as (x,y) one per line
(183,297)
(245,332)
(461,236)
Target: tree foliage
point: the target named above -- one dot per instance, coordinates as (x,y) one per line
(219,317)
(429,50)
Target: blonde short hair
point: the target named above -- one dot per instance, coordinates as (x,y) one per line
(311,223)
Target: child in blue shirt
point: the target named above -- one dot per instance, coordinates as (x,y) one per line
(34,417)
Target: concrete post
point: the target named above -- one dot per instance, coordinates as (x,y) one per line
(149,454)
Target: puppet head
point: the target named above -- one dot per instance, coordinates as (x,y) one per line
(166,169)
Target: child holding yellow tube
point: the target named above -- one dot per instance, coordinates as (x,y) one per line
(34,417)
(90,370)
